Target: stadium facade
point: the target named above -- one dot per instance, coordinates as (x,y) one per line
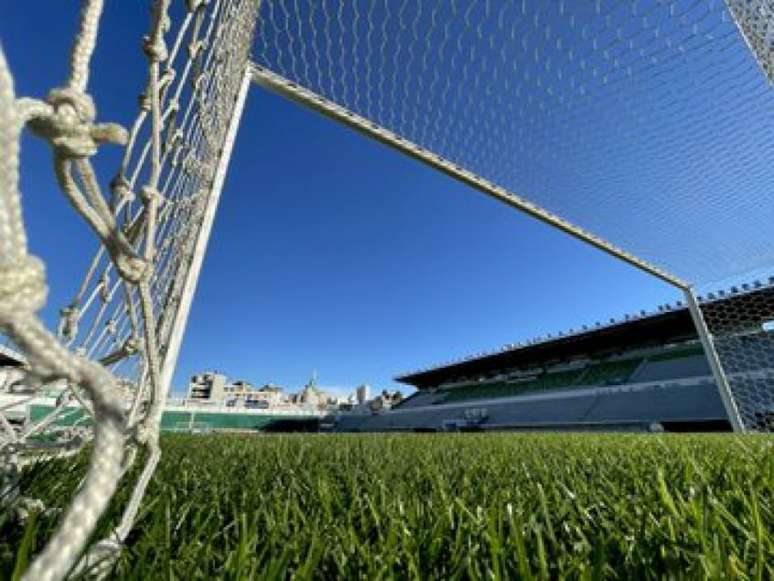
(643,373)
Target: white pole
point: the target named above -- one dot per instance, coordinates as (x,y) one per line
(192,276)
(714,361)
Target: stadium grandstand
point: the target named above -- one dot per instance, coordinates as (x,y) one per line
(643,373)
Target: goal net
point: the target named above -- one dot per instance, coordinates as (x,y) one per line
(638,126)
(107,368)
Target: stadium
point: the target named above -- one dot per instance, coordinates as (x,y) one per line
(644,372)
(637,130)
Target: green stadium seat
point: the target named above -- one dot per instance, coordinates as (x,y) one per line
(606,373)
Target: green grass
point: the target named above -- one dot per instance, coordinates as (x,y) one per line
(441,506)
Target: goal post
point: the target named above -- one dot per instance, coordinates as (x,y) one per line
(188,289)
(291,90)
(718,372)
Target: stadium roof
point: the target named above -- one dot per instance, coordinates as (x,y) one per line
(671,324)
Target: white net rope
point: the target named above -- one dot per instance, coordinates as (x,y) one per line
(110,355)
(641,121)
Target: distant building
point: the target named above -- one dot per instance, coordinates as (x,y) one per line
(214,389)
(385,400)
(207,386)
(311,395)
(363,394)
(268,395)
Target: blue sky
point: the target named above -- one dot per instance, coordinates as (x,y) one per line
(329,252)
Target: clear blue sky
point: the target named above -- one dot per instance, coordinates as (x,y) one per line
(329,252)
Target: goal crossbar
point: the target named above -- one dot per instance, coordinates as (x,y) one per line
(278,84)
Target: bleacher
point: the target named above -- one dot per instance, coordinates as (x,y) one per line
(609,372)
(420,399)
(669,366)
(499,389)
(614,372)
(642,373)
(612,408)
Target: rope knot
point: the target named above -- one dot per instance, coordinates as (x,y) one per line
(155,49)
(104,288)
(195,47)
(22,288)
(133,345)
(144,102)
(70,127)
(122,192)
(167,78)
(131,268)
(146,431)
(151,195)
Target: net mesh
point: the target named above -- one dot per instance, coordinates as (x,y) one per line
(640,121)
(740,321)
(110,357)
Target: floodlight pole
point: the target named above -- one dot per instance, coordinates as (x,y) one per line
(716,366)
(202,238)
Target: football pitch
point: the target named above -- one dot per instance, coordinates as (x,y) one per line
(445,506)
